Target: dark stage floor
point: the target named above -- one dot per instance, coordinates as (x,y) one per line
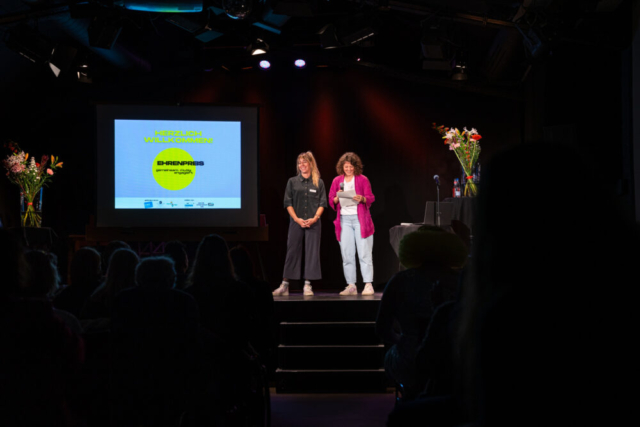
(337,410)
(326,296)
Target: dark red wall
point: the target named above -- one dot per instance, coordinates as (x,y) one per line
(386,121)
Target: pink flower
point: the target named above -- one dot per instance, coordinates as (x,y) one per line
(49,171)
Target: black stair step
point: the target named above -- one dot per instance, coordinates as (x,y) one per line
(331,356)
(327,311)
(331,381)
(327,333)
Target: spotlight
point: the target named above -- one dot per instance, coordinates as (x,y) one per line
(300,63)
(84,73)
(258,48)
(265,65)
(328,37)
(460,72)
(61,59)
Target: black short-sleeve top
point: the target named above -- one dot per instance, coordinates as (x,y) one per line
(304,197)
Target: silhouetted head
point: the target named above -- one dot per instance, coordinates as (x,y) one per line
(85,267)
(12,267)
(242,264)
(177,252)
(109,250)
(212,262)
(121,272)
(42,275)
(547,243)
(156,273)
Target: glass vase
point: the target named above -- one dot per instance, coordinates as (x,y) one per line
(31,208)
(470,187)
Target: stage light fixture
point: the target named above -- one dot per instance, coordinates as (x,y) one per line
(300,63)
(84,73)
(329,37)
(259,47)
(435,53)
(104,31)
(162,6)
(358,36)
(295,8)
(238,9)
(460,72)
(265,65)
(30,44)
(61,59)
(202,32)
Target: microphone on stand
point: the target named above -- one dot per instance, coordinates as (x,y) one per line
(437,179)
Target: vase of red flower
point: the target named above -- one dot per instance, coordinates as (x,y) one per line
(31,176)
(466,147)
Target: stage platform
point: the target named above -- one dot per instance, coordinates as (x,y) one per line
(326,296)
(328,344)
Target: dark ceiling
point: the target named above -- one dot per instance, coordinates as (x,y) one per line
(489,43)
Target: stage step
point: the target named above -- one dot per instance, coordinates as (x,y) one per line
(331,380)
(330,356)
(328,333)
(327,310)
(328,344)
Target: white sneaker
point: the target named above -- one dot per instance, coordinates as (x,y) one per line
(350,290)
(368,289)
(306,290)
(282,291)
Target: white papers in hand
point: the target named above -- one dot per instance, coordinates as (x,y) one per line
(346,198)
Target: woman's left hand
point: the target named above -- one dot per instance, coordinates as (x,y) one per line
(358,198)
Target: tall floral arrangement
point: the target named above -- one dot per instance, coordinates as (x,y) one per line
(466,146)
(30,175)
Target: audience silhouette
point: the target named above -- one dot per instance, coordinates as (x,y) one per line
(409,299)
(155,347)
(260,304)
(542,330)
(42,282)
(40,358)
(533,331)
(177,252)
(84,276)
(120,275)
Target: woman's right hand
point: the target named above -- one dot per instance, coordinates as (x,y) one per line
(301,222)
(335,200)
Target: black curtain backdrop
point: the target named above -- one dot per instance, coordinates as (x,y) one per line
(387,121)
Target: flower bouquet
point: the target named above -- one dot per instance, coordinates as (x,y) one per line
(466,146)
(30,176)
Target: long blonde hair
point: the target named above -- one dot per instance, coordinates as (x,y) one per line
(315,173)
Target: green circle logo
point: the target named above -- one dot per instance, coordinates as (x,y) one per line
(174,169)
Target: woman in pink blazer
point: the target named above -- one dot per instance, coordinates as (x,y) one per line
(354,227)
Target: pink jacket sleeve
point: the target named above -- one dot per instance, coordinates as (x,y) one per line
(335,187)
(367,193)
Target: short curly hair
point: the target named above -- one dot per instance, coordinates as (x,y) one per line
(352,158)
